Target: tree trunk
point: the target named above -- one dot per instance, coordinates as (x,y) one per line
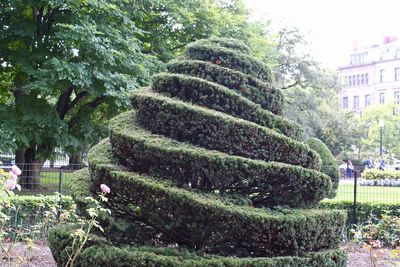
(31,167)
(76,160)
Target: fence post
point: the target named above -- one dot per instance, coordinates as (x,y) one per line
(355,199)
(59,193)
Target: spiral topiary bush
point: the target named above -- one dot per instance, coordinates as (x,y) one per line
(204,172)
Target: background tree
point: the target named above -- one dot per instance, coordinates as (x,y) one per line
(391,131)
(66,59)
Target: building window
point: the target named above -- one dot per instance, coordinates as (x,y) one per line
(356,103)
(397,74)
(358,79)
(350,80)
(362,78)
(382,76)
(382,98)
(367,100)
(397,97)
(366,78)
(345,103)
(354,79)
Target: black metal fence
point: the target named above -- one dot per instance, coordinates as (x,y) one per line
(45,179)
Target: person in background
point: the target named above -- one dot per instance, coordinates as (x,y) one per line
(349,169)
(382,165)
(368,163)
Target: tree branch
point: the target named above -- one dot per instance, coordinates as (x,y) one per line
(95,103)
(63,102)
(290,85)
(82,95)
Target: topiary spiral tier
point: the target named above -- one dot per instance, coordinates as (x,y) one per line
(204,172)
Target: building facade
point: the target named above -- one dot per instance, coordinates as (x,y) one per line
(371,77)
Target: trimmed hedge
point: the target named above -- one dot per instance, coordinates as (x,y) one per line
(220,98)
(33,216)
(204,222)
(228,43)
(98,253)
(329,164)
(230,59)
(261,93)
(376,174)
(215,130)
(364,210)
(266,184)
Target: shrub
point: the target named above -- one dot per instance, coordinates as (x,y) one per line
(214,186)
(99,253)
(229,59)
(253,89)
(226,43)
(33,216)
(214,130)
(298,231)
(329,164)
(220,98)
(376,174)
(264,183)
(364,210)
(384,229)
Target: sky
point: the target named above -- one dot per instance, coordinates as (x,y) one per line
(332,26)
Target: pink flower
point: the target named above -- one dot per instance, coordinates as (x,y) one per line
(12,185)
(13,175)
(105,189)
(16,170)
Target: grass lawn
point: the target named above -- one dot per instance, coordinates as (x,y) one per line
(51,179)
(372,194)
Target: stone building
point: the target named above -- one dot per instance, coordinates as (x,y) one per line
(372,76)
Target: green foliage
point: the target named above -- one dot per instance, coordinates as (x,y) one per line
(254,89)
(390,134)
(66,59)
(220,98)
(329,164)
(193,188)
(229,59)
(364,210)
(384,229)
(99,253)
(264,183)
(169,25)
(33,216)
(214,130)
(180,215)
(376,174)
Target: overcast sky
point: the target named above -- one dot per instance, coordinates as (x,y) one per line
(331,26)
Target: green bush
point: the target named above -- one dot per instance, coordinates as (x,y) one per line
(211,225)
(376,174)
(32,216)
(364,210)
(230,59)
(217,187)
(265,183)
(99,253)
(228,43)
(253,89)
(215,130)
(220,98)
(329,164)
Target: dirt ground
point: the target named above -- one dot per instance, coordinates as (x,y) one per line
(22,255)
(40,256)
(357,256)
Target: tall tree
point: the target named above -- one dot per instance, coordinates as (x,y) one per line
(169,25)
(66,60)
